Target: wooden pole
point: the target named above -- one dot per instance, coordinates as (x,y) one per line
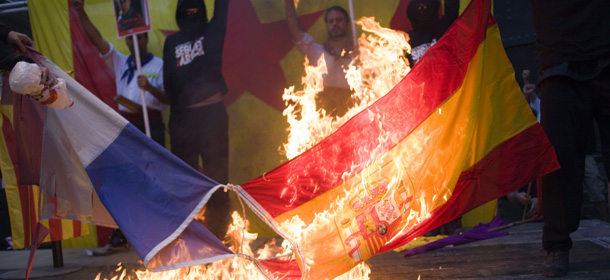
(351,14)
(136,48)
(58,256)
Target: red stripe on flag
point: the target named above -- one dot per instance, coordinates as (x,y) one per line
(28,123)
(25,216)
(77,228)
(103,235)
(505,169)
(7,130)
(356,144)
(56,229)
(89,69)
(283,269)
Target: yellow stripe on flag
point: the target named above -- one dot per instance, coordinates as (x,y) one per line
(87,240)
(486,111)
(51,30)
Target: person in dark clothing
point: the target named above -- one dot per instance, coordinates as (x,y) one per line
(594,183)
(573,55)
(195,86)
(9,38)
(8,58)
(427,26)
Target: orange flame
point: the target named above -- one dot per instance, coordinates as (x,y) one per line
(380,65)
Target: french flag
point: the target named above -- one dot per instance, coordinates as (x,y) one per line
(97,167)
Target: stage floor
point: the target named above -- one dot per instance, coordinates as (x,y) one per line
(518,255)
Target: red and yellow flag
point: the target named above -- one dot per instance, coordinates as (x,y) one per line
(16,164)
(454,134)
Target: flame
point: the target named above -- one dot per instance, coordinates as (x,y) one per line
(379,66)
(239,240)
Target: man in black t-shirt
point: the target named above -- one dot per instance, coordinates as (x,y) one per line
(195,86)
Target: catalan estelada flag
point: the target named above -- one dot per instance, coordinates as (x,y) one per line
(24,198)
(20,149)
(454,134)
(20,156)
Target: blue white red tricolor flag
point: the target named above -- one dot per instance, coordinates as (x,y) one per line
(91,154)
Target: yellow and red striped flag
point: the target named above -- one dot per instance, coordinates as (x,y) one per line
(453,135)
(19,129)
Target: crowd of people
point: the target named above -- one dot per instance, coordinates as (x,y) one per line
(574,90)
(190,81)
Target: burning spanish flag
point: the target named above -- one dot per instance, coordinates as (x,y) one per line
(452,135)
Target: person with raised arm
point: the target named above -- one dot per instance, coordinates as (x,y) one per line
(128,83)
(338,50)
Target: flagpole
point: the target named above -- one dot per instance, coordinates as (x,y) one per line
(58,256)
(136,48)
(351,14)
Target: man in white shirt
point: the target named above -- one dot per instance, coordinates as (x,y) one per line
(338,51)
(127,82)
